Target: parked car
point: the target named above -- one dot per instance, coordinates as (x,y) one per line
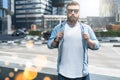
(46,34)
(18,33)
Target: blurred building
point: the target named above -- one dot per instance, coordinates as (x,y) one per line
(118,4)
(59,13)
(6,10)
(118,14)
(100,22)
(59,6)
(29,12)
(108,8)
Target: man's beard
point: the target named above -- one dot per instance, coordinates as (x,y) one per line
(72,20)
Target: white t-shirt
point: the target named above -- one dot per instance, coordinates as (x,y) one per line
(71,64)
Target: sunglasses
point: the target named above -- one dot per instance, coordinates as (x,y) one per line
(71,10)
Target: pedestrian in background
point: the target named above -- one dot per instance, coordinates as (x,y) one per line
(73,38)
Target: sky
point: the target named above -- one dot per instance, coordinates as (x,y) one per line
(88,8)
(4,4)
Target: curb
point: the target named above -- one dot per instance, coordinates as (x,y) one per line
(116,45)
(109,39)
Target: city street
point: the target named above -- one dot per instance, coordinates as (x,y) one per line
(26,25)
(103,64)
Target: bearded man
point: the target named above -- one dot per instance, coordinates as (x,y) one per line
(73,39)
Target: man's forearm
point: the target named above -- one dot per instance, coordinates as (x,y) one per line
(91,43)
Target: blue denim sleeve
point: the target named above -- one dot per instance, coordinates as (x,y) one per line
(93,38)
(52,37)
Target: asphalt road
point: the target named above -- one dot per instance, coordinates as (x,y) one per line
(103,64)
(9,37)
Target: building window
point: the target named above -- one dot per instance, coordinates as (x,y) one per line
(20,16)
(44,2)
(5,13)
(17,7)
(20,2)
(20,11)
(43,6)
(0,13)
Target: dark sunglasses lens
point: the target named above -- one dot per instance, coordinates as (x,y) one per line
(71,10)
(76,11)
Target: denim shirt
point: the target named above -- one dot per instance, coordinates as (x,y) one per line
(84,28)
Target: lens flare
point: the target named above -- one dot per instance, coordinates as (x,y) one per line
(20,76)
(47,78)
(7,78)
(15,69)
(40,61)
(29,44)
(30,73)
(14,57)
(6,63)
(11,74)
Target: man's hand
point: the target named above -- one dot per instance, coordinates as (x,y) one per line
(59,36)
(89,41)
(86,37)
(57,39)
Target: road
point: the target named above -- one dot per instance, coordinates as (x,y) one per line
(9,37)
(103,64)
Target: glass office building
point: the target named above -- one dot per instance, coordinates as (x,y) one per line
(118,8)
(108,8)
(59,6)
(28,12)
(5,16)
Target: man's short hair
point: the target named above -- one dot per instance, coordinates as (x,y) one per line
(72,3)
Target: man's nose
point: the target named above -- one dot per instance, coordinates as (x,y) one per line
(73,12)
